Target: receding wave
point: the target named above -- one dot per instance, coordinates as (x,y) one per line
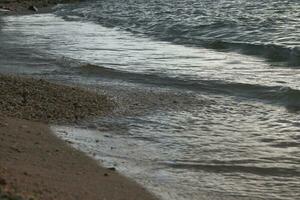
(221,168)
(274,53)
(210,24)
(285,96)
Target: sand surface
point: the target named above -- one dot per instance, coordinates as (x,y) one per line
(35,164)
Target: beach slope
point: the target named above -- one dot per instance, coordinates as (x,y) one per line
(34,163)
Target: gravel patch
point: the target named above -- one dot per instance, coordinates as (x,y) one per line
(40,100)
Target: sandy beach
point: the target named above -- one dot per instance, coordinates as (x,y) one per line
(35,164)
(144,99)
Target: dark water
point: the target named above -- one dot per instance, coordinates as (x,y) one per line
(217,83)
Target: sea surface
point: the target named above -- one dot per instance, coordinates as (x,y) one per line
(207,92)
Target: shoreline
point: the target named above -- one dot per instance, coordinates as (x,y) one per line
(34,163)
(178,125)
(26,167)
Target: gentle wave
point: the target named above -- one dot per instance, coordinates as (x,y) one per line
(274,53)
(247,140)
(241,26)
(219,168)
(285,96)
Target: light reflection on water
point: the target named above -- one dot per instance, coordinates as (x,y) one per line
(112,48)
(213,152)
(229,145)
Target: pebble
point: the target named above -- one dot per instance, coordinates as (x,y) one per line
(112,168)
(24,126)
(33,8)
(2,181)
(16,149)
(48,102)
(92,126)
(3,124)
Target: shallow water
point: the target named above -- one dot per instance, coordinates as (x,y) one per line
(206,124)
(140,59)
(212,152)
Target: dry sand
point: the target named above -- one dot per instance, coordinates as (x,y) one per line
(35,164)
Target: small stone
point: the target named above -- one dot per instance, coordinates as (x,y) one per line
(16,149)
(24,126)
(106,174)
(92,126)
(112,168)
(2,181)
(4,10)
(3,124)
(33,8)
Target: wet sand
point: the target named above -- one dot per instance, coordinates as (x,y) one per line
(35,164)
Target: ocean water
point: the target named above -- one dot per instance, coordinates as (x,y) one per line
(207,92)
(266,28)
